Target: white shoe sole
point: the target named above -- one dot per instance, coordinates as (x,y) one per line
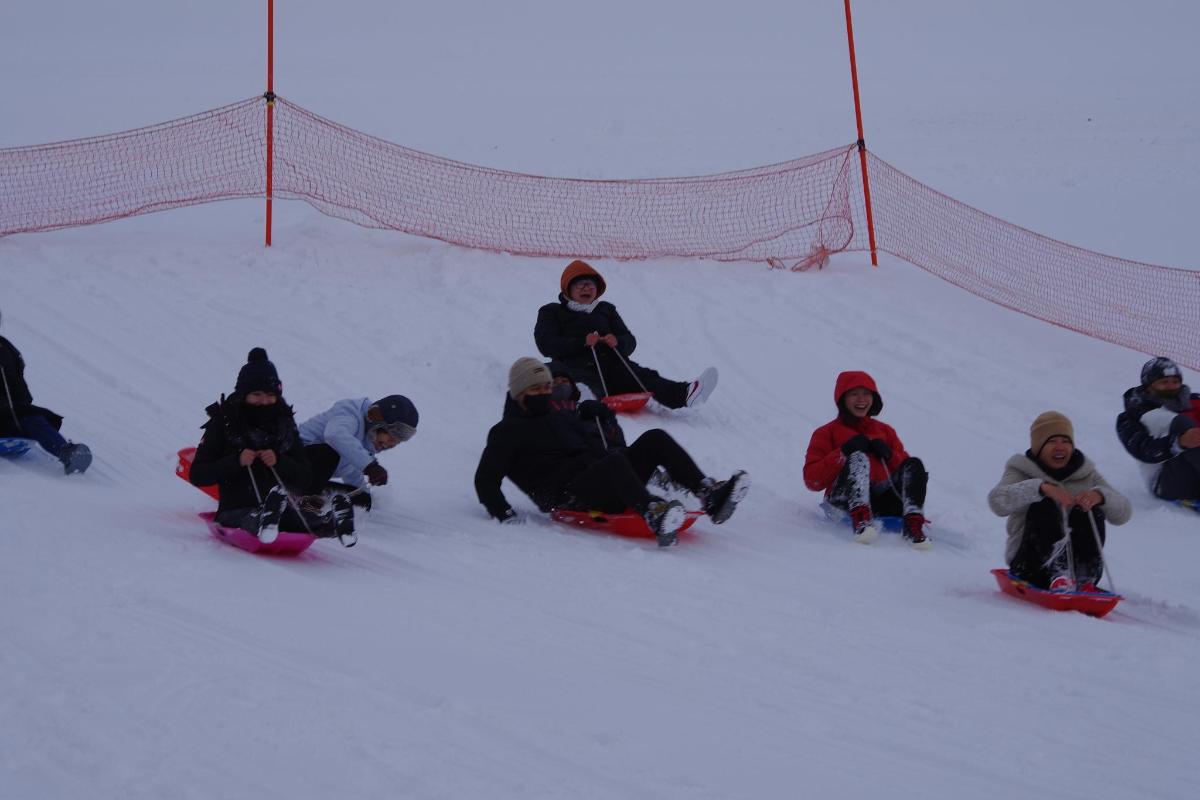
(708,382)
(867,534)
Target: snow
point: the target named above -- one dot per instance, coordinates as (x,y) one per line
(445,656)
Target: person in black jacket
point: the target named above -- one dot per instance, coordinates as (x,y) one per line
(1159,427)
(599,418)
(556,460)
(252,450)
(581,330)
(21,418)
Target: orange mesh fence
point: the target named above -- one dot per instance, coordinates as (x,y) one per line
(1146,307)
(791,214)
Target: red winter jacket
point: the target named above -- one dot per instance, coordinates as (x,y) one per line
(824,460)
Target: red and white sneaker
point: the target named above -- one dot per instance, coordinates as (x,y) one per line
(865,529)
(702,387)
(914,532)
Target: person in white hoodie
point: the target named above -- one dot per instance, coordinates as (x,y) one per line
(343,441)
(1057,503)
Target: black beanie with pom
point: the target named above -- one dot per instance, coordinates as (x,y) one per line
(258,375)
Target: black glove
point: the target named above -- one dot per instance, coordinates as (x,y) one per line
(511,517)
(856,444)
(880,448)
(376,474)
(594,409)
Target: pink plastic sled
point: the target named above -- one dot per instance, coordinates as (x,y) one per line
(627,523)
(288,543)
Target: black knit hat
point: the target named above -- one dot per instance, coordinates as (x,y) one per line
(1157,368)
(258,375)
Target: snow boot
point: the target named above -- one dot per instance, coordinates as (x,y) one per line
(665,518)
(75,457)
(914,532)
(270,514)
(865,529)
(721,498)
(702,387)
(343,515)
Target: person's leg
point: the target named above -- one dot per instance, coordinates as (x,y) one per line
(852,489)
(38,428)
(324,461)
(657,448)
(621,380)
(610,485)
(1089,561)
(1179,478)
(1035,559)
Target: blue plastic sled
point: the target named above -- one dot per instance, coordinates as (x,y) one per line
(12,446)
(835,514)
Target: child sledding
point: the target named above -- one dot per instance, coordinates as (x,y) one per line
(589,339)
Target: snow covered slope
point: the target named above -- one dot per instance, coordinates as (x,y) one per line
(448,657)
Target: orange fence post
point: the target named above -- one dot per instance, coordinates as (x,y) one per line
(862,144)
(270,98)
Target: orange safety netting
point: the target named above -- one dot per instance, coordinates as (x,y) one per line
(790,214)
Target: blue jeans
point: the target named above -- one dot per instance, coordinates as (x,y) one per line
(39,429)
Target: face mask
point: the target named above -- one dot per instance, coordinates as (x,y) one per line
(259,416)
(537,405)
(1166,394)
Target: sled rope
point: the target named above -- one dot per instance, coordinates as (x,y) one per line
(1100,550)
(600,372)
(12,409)
(631,372)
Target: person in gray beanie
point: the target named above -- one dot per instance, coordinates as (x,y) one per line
(1159,427)
(19,417)
(557,461)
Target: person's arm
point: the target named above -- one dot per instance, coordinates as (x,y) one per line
(1015,492)
(211,465)
(293,467)
(626,341)
(1140,443)
(341,433)
(494,464)
(1117,508)
(549,337)
(823,462)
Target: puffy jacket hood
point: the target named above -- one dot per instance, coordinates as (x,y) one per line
(853,380)
(581,269)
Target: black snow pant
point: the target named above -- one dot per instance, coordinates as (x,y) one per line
(1179,478)
(248,519)
(1036,560)
(902,493)
(618,380)
(617,482)
(323,460)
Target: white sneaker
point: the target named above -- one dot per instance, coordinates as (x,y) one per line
(702,387)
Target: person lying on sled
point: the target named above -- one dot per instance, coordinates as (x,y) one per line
(580,330)
(343,441)
(1160,427)
(860,464)
(1052,495)
(19,417)
(252,451)
(558,462)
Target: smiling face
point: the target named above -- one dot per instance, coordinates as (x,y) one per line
(858,401)
(1056,452)
(583,291)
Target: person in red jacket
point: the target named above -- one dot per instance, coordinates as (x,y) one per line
(861,465)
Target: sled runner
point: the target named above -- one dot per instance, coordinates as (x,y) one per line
(627,523)
(1094,604)
(12,446)
(288,543)
(627,403)
(184,469)
(835,514)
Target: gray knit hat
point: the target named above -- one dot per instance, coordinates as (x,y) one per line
(527,372)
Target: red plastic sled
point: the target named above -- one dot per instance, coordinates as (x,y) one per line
(1094,604)
(627,403)
(12,446)
(627,523)
(288,543)
(184,469)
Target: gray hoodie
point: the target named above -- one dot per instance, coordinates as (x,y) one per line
(1018,490)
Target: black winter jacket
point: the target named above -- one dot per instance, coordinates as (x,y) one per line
(1155,444)
(227,434)
(561,333)
(15,398)
(540,454)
